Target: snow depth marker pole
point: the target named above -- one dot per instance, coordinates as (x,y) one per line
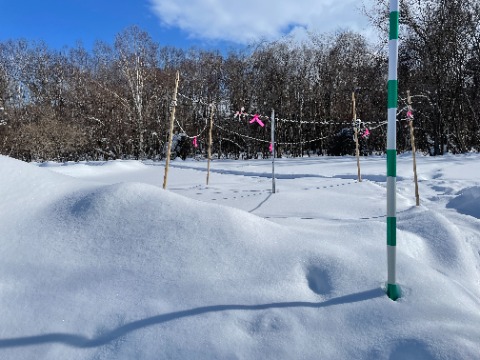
(273,151)
(357,152)
(212,107)
(412,140)
(170,134)
(393,290)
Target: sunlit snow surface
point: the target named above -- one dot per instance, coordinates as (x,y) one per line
(97,261)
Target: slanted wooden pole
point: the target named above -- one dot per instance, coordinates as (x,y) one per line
(412,140)
(212,107)
(170,134)
(357,151)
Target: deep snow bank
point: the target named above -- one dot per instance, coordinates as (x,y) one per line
(93,271)
(467,202)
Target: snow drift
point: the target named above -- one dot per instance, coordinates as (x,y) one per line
(130,271)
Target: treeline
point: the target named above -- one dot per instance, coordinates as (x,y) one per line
(115,101)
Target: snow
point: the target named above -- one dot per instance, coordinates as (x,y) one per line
(99,262)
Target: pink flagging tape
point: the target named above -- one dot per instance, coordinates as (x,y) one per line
(256,119)
(366,133)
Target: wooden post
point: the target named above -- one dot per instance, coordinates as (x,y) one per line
(212,108)
(412,140)
(170,134)
(357,151)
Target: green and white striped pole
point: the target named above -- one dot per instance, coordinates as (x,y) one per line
(393,290)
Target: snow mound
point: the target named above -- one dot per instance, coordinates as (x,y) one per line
(467,202)
(131,271)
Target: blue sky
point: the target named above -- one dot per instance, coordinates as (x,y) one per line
(211,24)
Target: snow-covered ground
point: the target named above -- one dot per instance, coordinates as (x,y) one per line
(97,261)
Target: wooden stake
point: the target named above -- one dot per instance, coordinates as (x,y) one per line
(212,108)
(412,140)
(170,134)
(357,151)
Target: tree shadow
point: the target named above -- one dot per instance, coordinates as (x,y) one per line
(80,341)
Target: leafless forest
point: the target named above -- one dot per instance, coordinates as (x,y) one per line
(114,102)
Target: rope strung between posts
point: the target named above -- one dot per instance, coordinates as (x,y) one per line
(258,118)
(268,141)
(194,136)
(240,135)
(233,142)
(240,115)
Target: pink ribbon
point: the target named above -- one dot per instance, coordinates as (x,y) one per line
(270,148)
(195,141)
(255,118)
(409,114)
(366,133)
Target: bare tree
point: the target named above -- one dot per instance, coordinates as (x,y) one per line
(137,59)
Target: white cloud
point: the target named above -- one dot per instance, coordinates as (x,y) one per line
(250,20)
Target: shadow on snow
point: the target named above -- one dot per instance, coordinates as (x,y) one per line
(80,341)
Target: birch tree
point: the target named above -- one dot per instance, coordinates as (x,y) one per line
(137,59)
